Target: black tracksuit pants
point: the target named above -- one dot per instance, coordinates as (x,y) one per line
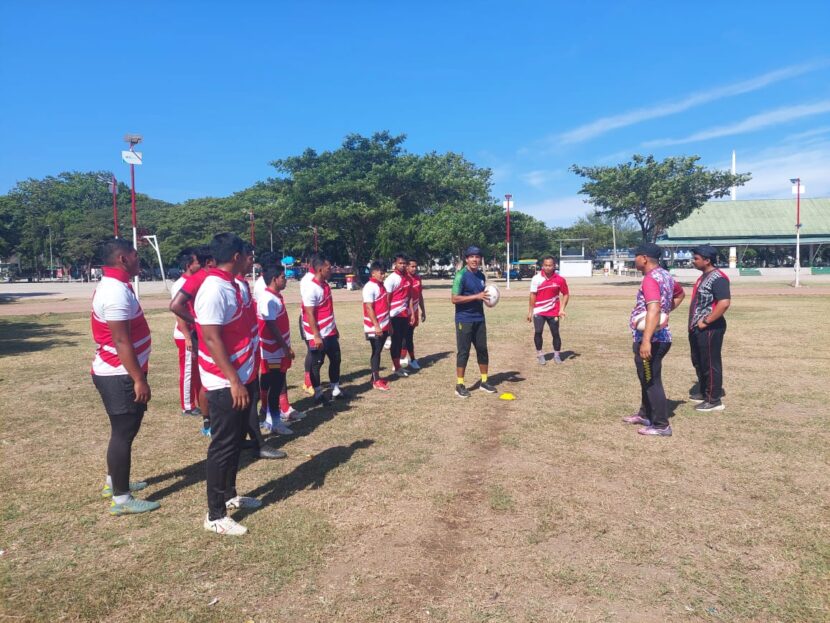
(705,346)
(653,404)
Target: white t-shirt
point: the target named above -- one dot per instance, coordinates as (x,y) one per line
(270,307)
(174,290)
(259,287)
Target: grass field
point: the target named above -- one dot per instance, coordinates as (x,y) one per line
(417,506)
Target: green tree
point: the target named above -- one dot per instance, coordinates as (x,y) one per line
(655,194)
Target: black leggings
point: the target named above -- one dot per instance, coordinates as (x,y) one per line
(409,341)
(309,359)
(377,349)
(539,323)
(272,383)
(653,403)
(330,349)
(471,334)
(125,417)
(252,425)
(400,326)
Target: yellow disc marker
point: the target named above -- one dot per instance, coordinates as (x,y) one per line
(507,396)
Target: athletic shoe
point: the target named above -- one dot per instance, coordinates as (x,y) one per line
(106,492)
(190,413)
(240,501)
(705,407)
(637,419)
(557,358)
(197,411)
(388,343)
(308,389)
(205,431)
(414,364)
(267,452)
(654,431)
(321,400)
(292,416)
(339,394)
(280,428)
(540,359)
(401,373)
(696,397)
(486,387)
(381,385)
(461,391)
(224,526)
(133,507)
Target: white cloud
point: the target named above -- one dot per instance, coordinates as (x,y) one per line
(772,169)
(750,124)
(612,122)
(557,211)
(540,178)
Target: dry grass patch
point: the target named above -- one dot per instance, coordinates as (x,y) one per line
(418,506)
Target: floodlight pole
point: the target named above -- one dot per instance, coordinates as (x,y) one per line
(507,202)
(115,206)
(133,140)
(797,182)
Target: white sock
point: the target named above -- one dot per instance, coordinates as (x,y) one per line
(121,499)
(109,481)
(335,389)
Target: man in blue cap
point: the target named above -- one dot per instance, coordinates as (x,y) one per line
(707,326)
(468,296)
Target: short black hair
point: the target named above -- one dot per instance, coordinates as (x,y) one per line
(186,258)
(272,271)
(224,246)
(548,257)
(248,248)
(318,261)
(377,265)
(111,248)
(401,256)
(203,254)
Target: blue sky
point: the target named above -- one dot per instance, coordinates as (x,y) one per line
(220,89)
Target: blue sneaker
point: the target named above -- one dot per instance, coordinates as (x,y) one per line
(106,492)
(654,431)
(133,507)
(205,431)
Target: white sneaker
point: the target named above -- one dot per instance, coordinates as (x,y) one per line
(388,343)
(414,364)
(336,392)
(292,415)
(280,428)
(226,525)
(240,501)
(401,372)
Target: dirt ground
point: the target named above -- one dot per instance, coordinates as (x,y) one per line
(414,505)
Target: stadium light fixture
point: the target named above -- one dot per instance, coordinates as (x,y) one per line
(796,181)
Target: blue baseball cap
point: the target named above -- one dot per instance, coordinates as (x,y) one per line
(472,250)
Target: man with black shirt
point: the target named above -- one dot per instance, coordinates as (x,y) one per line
(468,296)
(707,326)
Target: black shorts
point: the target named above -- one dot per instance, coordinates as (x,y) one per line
(118,395)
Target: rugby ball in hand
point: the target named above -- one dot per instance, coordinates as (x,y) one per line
(639,321)
(493,295)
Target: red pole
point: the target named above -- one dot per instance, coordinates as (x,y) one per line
(132,195)
(115,205)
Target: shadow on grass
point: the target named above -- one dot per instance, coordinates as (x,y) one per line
(563,355)
(673,405)
(309,475)
(185,477)
(12,297)
(28,337)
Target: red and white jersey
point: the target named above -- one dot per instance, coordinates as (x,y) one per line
(174,290)
(316,300)
(114,300)
(220,302)
(191,287)
(548,290)
(271,306)
(399,287)
(374,294)
(417,288)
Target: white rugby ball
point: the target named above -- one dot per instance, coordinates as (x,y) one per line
(493,295)
(639,321)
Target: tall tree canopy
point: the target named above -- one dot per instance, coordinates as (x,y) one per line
(655,194)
